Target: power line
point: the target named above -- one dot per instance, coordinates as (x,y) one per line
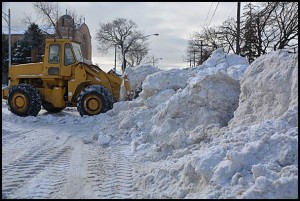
(208,12)
(214,13)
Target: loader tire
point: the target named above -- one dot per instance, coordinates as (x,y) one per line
(24,100)
(50,108)
(93,100)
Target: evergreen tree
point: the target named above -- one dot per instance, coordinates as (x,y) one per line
(22,52)
(249,32)
(31,45)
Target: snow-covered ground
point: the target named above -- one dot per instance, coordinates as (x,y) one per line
(225,129)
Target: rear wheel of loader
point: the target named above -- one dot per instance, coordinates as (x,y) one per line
(50,108)
(93,100)
(24,100)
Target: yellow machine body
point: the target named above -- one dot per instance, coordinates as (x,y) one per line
(61,77)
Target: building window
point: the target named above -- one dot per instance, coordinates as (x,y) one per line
(63,22)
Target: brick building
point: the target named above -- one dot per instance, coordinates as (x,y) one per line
(78,32)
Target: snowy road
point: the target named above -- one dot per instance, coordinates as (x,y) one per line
(58,161)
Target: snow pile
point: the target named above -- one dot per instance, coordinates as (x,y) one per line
(178,128)
(176,101)
(207,101)
(164,82)
(223,129)
(190,98)
(230,64)
(137,75)
(263,159)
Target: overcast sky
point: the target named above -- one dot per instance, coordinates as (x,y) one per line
(173,21)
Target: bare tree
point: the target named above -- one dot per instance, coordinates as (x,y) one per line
(273,25)
(49,12)
(189,56)
(153,60)
(227,34)
(265,27)
(27,19)
(285,18)
(122,33)
(200,46)
(137,52)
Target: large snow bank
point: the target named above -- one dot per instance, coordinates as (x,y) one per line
(263,159)
(176,101)
(251,158)
(221,130)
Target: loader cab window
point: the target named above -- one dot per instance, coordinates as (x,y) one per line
(69,57)
(54,53)
(77,51)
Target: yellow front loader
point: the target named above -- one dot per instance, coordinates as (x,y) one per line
(63,80)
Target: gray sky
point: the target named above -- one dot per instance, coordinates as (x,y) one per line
(173,21)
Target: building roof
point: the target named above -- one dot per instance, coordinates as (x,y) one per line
(66,17)
(21,30)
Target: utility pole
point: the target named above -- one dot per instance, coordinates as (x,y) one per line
(238,28)
(115,58)
(194,57)
(123,61)
(9,38)
(201,42)
(190,58)
(201,50)
(153,60)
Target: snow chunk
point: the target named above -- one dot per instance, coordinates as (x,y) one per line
(160,81)
(269,88)
(137,75)
(103,139)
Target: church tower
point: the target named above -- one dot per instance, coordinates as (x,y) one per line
(77,32)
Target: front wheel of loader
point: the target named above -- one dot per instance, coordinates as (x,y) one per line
(24,100)
(93,100)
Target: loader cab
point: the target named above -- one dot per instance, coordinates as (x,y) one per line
(62,55)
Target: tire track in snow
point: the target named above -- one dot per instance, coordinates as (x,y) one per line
(51,180)
(18,140)
(110,171)
(17,133)
(19,174)
(74,186)
(55,163)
